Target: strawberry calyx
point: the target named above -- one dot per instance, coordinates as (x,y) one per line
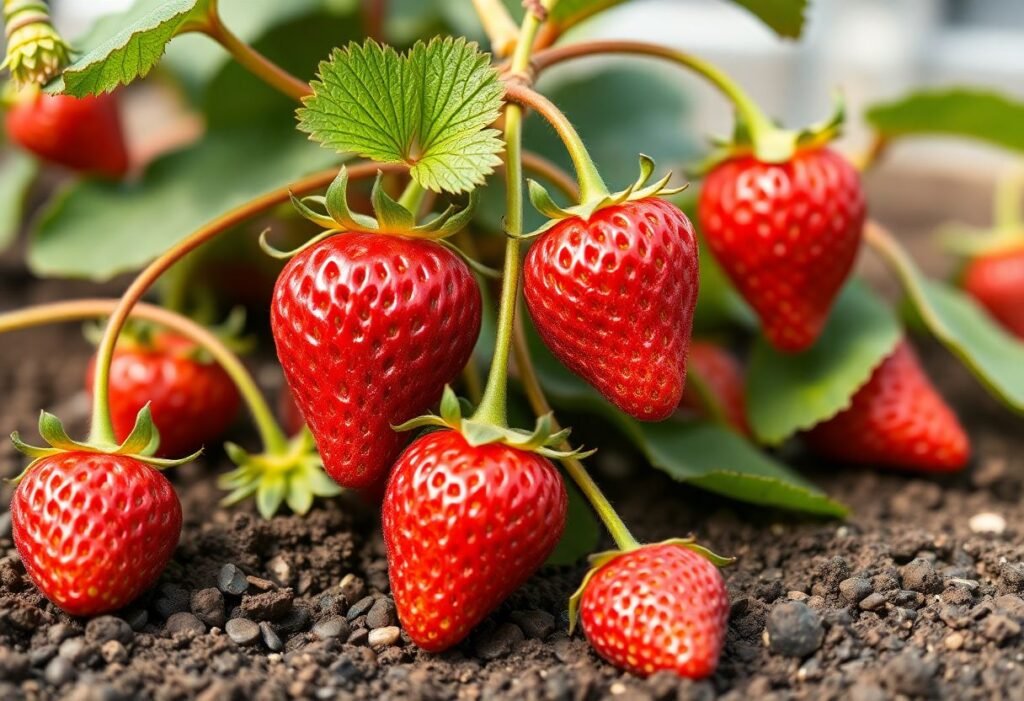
(141,444)
(295,477)
(599,560)
(542,440)
(1007,231)
(639,190)
(36,53)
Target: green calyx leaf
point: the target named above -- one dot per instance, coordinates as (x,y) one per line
(294,478)
(543,440)
(430,108)
(36,53)
(639,190)
(599,560)
(141,444)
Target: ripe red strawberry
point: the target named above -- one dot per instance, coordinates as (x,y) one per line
(94,530)
(659,607)
(613,298)
(81,133)
(897,419)
(465,527)
(996,280)
(722,378)
(369,328)
(787,235)
(192,402)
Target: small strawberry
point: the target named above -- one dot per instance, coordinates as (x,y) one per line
(715,387)
(613,296)
(81,133)
(192,401)
(464,527)
(787,234)
(660,607)
(897,419)
(996,281)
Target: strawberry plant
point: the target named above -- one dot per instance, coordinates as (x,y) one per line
(700,326)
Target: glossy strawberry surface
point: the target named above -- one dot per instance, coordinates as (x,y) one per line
(81,133)
(787,234)
(369,328)
(613,298)
(657,608)
(193,402)
(996,281)
(722,378)
(897,419)
(465,527)
(93,530)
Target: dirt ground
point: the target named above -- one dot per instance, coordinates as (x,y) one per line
(920,594)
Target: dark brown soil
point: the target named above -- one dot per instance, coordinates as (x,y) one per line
(910,598)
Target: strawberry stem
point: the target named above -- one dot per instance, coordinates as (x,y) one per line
(78,310)
(412,197)
(539,403)
(498,25)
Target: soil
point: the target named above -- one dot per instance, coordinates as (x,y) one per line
(920,594)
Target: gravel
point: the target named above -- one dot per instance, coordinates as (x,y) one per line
(242,631)
(794,629)
(231,580)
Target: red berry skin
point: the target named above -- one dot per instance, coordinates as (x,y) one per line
(787,234)
(897,419)
(464,527)
(93,530)
(81,133)
(658,608)
(723,377)
(613,298)
(996,281)
(369,329)
(192,402)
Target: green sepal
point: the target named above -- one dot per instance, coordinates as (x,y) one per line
(392,217)
(295,477)
(639,190)
(336,202)
(599,560)
(144,438)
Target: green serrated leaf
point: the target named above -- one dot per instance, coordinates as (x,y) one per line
(970,113)
(429,109)
(787,393)
(582,531)
(786,17)
(17,172)
(132,51)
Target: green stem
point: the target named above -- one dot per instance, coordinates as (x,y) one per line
(539,403)
(412,196)
(78,310)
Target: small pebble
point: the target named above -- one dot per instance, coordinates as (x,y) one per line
(271,638)
(280,571)
(855,589)
(114,652)
(954,641)
(333,627)
(59,633)
(231,580)
(873,602)
(535,624)
(105,628)
(360,608)
(499,642)
(59,671)
(919,575)
(382,614)
(184,623)
(208,606)
(987,522)
(242,631)
(794,629)
(382,637)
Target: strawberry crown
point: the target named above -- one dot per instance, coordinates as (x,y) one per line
(543,203)
(141,444)
(542,440)
(36,53)
(599,560)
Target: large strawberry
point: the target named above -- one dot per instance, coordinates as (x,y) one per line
(193,401)
(714,385)
(369,328)
(464,527)
(81,133)
(613,296)
(787,234)
(996,280)
(660,607)
(897,419)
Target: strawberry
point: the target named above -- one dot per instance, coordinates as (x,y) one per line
(369,328)
(658,607)
(897,419)
(464,527)
(81,133)
(613,296)
(787,235)
(94,530)
(193,402)
(715,385)
(996,281)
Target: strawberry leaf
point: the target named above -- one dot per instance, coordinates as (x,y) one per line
(429,108)
(16,175)
(124,50)
(787,393)
(975,114)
